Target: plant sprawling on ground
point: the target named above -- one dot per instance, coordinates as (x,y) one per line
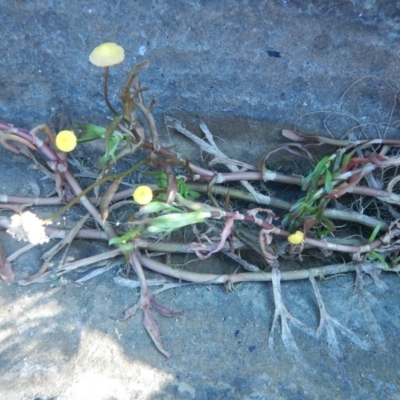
(189,208)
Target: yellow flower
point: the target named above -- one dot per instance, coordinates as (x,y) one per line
(106,55)
(66,141)
(296,238)
(143,195)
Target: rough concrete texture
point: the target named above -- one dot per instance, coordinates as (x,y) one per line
(217,60)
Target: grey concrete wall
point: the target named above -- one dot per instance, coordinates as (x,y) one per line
(207,57)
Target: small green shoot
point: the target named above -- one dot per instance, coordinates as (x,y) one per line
(111,136)
(375,256)
(183,189)
(375,232)
(121,241)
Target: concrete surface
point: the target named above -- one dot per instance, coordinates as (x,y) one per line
(216,60)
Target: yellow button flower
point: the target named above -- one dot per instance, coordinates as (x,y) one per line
(143,195)
(66,141)
(296,238)
(106,55)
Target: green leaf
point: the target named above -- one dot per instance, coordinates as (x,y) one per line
(375,232)
(157,174)
(156,229)
(330,226)
(92,132)
(162,183)
(295,206)
(174,221)
(306,180)
(112,139)
(158,206)
(124,238)
(298,212)
(346,158)
(193,194)
(328,182)
(339,156)
(161,178)
(111,129)
(376,256)
(323,233)
(170,222)
(184,191)
(126,246)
